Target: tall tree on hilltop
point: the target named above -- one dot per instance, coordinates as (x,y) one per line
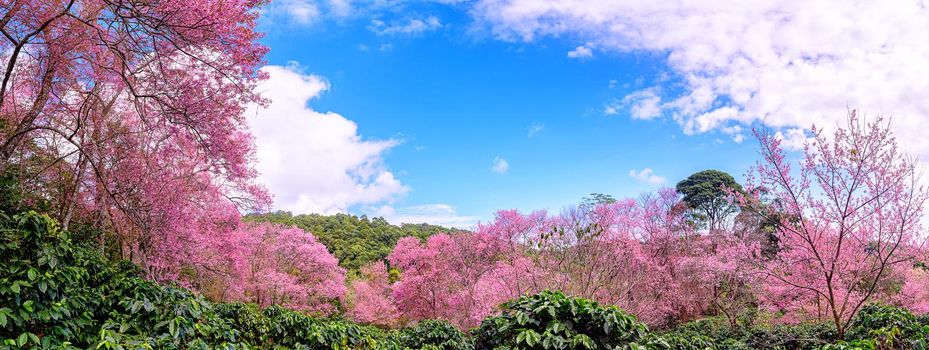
(706,193)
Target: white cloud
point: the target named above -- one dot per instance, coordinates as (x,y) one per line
(581,52)
(435,214)
(385,48)
(535,129)
(793,138)
(790,63)
(413,26)
(735,131)
(500,165)
(308,12)
(341,8)
(643,104)
(611,108)
(315,162)
(302,12)
(646,176)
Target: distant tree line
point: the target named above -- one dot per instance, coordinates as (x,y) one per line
(355,240)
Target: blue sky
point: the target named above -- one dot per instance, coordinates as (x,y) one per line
(445,93)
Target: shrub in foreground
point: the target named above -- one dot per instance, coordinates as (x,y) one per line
(433,334)
(551,320)
(886,327)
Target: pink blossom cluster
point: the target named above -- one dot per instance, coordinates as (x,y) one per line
(849,221)
(127,116)
(638,254)
(816,242)
(271,264)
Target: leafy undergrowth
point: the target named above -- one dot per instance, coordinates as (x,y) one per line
(57,295)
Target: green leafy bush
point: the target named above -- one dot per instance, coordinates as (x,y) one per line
(57,295)
(800,337)
(278,327)
(763,337)
(41,296)
(888,327)
(680,341)
(433,335)
(852,345)
(551,320)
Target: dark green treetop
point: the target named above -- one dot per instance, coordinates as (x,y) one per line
(706,194)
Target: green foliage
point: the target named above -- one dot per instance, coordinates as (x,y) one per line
(866,344)
(280,328)
(433,335)
(704,193)
(15,193)
(595,199)
(57,295)
(680,341)
(777,337)
(41,301)
(355,241)
(143,314)
(888,327)
(551,320)
(875,327)
(800,336)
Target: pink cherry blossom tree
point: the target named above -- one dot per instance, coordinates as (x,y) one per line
(723,268)
(128,115)
(851,212)
(370,300)
(629,253)
(914,288)
(270,264)
(445,278)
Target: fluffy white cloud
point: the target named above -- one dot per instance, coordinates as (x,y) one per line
(315,162)
(413,26)
(643,104)
(500,165)
(792,63)
(646,176)
(303,12)
(793,138)
(581,52)
(435,214)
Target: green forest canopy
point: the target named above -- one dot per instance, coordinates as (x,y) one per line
(355,240)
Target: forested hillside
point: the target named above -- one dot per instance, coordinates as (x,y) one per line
(355,240)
